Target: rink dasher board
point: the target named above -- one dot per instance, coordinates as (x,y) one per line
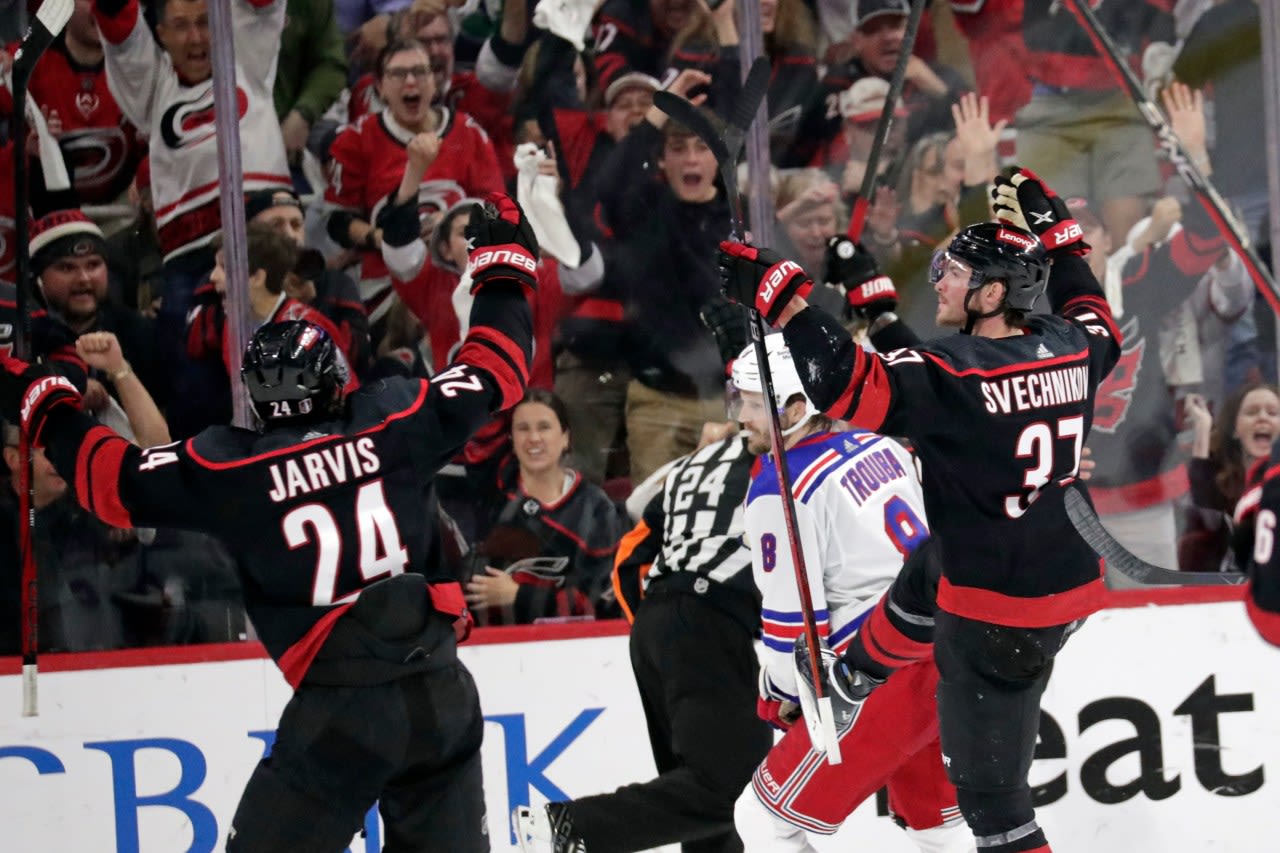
(148,750)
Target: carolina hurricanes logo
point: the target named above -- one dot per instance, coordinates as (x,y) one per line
(87,103)
(437,196)
(96,155)
(188,123)
(1115,394)
(434,198)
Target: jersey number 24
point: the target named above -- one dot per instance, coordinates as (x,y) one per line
(380,549)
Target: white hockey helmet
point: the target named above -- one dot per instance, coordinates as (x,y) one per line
(782,370)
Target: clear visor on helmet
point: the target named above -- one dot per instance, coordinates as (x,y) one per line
(944,262)
(743,408)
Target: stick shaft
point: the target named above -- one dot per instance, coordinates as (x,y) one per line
(859,215)
(1217,209)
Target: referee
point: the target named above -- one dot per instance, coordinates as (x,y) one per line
(683,578)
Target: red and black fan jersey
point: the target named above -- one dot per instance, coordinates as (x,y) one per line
(1060,53)
(101,147)
(1134,436)
(369,159)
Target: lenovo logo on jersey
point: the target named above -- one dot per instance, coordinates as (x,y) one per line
(1006,236)
(774,278)
(510,257)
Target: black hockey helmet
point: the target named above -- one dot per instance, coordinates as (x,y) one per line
(294,373)
(997,251)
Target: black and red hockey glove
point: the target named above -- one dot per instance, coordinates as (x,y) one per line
(501,244)
(761,279)
(1027,202)
(30,392)
(868,292)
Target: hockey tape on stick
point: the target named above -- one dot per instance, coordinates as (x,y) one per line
(1217,208)
(1136,569)
(859,215)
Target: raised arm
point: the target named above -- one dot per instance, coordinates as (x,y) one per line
(134,60)
(101,350)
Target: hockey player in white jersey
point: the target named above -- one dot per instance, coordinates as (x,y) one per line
(859,514)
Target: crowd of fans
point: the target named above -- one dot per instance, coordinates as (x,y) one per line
(352,113)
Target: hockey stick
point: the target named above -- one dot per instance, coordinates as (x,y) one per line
(49,20)
(859,216)
(1136,569)
(726,144)
(1218,211)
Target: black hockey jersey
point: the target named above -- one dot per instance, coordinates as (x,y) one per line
(690,535)
(313,514)
(1255,518)
(998,425)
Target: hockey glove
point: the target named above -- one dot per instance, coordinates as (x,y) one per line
(727,323)
(761,279)
(773,708)
(1027,202)
(868,292)
(30,392)
(847,264)
(501,244)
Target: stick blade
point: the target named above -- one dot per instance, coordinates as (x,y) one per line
(701,123)
(54,14)
(50,19)
(1136,569)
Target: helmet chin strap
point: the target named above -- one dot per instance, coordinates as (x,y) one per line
(974,316)
(798,425)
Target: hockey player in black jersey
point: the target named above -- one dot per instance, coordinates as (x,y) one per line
(323,509)
(998,416)
(1254,540)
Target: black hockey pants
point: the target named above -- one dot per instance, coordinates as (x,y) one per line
(413,745)
(696,669)
(991,681)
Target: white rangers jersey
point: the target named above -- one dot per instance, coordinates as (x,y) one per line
(860,512)
(177,118)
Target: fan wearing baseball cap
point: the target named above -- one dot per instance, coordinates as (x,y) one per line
(871,51)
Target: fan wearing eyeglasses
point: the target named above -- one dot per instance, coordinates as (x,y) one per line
(369,159)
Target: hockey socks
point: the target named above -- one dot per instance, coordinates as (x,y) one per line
(887,641)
